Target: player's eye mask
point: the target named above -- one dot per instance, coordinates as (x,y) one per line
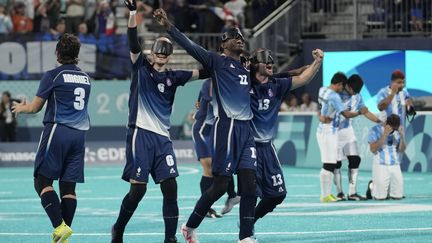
(263,56)
(232,33)
(162,47)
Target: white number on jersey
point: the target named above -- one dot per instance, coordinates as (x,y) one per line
(263,104)
(169,160)
(243,79)
(277,180)
(253,151)
(79,99)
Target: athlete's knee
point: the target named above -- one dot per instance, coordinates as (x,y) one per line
(207,169)
(329,167)
(338,165)
(219,187)
(354,162)
(137,191)
(247,182)
(169,189)
(67,189)
(42,184)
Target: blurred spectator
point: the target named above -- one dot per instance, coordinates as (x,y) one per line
(293,103)
(181,11)
(53,12)
(229,23)
(90,15)
(5,21)
(7,119)
(84,35)
(21,23)
(417,16)
(74,15)
(41,21)
(308,104)
(187,125)
(105,19)
(236,7)
(379,13)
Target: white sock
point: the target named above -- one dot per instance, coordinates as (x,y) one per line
(352,176)
(338,180)
(326,179)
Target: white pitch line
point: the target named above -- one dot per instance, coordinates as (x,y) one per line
(236,233)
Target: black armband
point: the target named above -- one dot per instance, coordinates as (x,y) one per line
(134,45)
(203,74)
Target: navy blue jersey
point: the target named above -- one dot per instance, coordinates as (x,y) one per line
(266,100)
(152,96)
(204,98)
(231,81)
(66,90)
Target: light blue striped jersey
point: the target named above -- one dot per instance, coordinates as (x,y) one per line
(388,154)
(397,106)
(353,103)
(331,105)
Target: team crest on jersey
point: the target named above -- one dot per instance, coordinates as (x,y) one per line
(270,93)
(168,82)
(161,87)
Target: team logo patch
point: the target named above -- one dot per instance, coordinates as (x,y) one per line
(138,172)
(168,82)
(270,93)
(172,171)
(281,189)
(232,65)
(161,88)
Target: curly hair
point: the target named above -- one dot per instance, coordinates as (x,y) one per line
(67,49)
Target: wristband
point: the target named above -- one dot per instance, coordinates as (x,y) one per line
(131,13)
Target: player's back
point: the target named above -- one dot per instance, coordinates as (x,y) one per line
(67,91)
(353,103)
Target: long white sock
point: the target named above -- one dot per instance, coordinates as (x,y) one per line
(352,176)
(338,180)
(326,179)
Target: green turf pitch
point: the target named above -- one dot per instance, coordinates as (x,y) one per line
(301,218)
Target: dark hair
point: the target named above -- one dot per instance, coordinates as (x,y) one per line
(68,48)
(7,93)
(339,77)
(355,82)
(397,74)
(393,120)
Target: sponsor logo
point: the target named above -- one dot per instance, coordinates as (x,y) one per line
(232,65)
(270,93)
(172,171)
(168,82)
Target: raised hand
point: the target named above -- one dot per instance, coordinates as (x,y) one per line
(318,54)
(131,5)
(387,130)
(161,17)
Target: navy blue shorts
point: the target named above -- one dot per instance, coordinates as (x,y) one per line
(200,136)
(148,153)
(270,179)
(60,154)
(233,147)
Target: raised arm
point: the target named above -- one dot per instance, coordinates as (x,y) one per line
(195,50)
(134,46)
(309,73)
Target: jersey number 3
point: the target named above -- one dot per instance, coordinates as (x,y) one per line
(79,99)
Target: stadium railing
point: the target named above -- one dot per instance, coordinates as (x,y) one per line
(357,19)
